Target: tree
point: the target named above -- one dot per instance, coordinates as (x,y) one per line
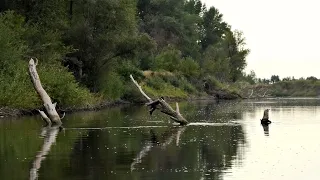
(213,28)
(312,78)
(236,52)
(251,77)
(275,78)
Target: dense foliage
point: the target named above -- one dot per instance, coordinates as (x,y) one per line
(175,47)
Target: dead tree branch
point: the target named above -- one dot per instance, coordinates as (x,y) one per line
(50,107)
(162,105)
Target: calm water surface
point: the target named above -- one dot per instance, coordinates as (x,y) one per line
(223,141)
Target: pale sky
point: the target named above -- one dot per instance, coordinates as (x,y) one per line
(283,35)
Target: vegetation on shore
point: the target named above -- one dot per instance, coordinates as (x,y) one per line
(87,49)
(276,87)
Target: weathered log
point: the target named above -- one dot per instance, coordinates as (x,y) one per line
(52,114)
(162,105)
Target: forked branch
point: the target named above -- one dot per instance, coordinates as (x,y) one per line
(162,105)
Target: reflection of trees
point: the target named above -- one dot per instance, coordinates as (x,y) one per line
(137,152)
(50,134)
(191,152)
(205,152)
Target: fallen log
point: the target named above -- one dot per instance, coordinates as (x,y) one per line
(162,105)
(50,107)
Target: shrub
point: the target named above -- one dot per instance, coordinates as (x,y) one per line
(190,68)
(169,59)
(155,82)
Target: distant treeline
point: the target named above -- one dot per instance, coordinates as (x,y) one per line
(251,77)
(277,87)
(88,48)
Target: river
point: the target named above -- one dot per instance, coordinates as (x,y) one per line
(224,140)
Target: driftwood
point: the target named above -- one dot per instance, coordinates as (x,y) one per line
(252,96)
(52,116)
(162,105)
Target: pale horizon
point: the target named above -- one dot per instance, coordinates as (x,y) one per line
(282,35)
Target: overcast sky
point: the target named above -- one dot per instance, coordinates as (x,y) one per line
(283,35)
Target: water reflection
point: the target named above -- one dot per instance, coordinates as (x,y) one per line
(155,141)
(126,143)
(191,152)
(49,133)
(265,129)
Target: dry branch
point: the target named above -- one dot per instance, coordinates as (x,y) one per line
(162,105)
(47,103)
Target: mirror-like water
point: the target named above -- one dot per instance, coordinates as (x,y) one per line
(224,140)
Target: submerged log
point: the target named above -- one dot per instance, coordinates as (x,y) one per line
(162,105)
(50,107)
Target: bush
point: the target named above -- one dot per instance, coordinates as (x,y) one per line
(190,68)
(211,83)
(127,68)
(155,82)
(169,59)
(62,87)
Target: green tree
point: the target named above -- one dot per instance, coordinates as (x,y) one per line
(213,27)
(236,52)
(312,78)
(275,78)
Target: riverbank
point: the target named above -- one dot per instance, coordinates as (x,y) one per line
(14,112)
(171,88)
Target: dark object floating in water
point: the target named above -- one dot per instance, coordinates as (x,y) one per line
(265,119)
